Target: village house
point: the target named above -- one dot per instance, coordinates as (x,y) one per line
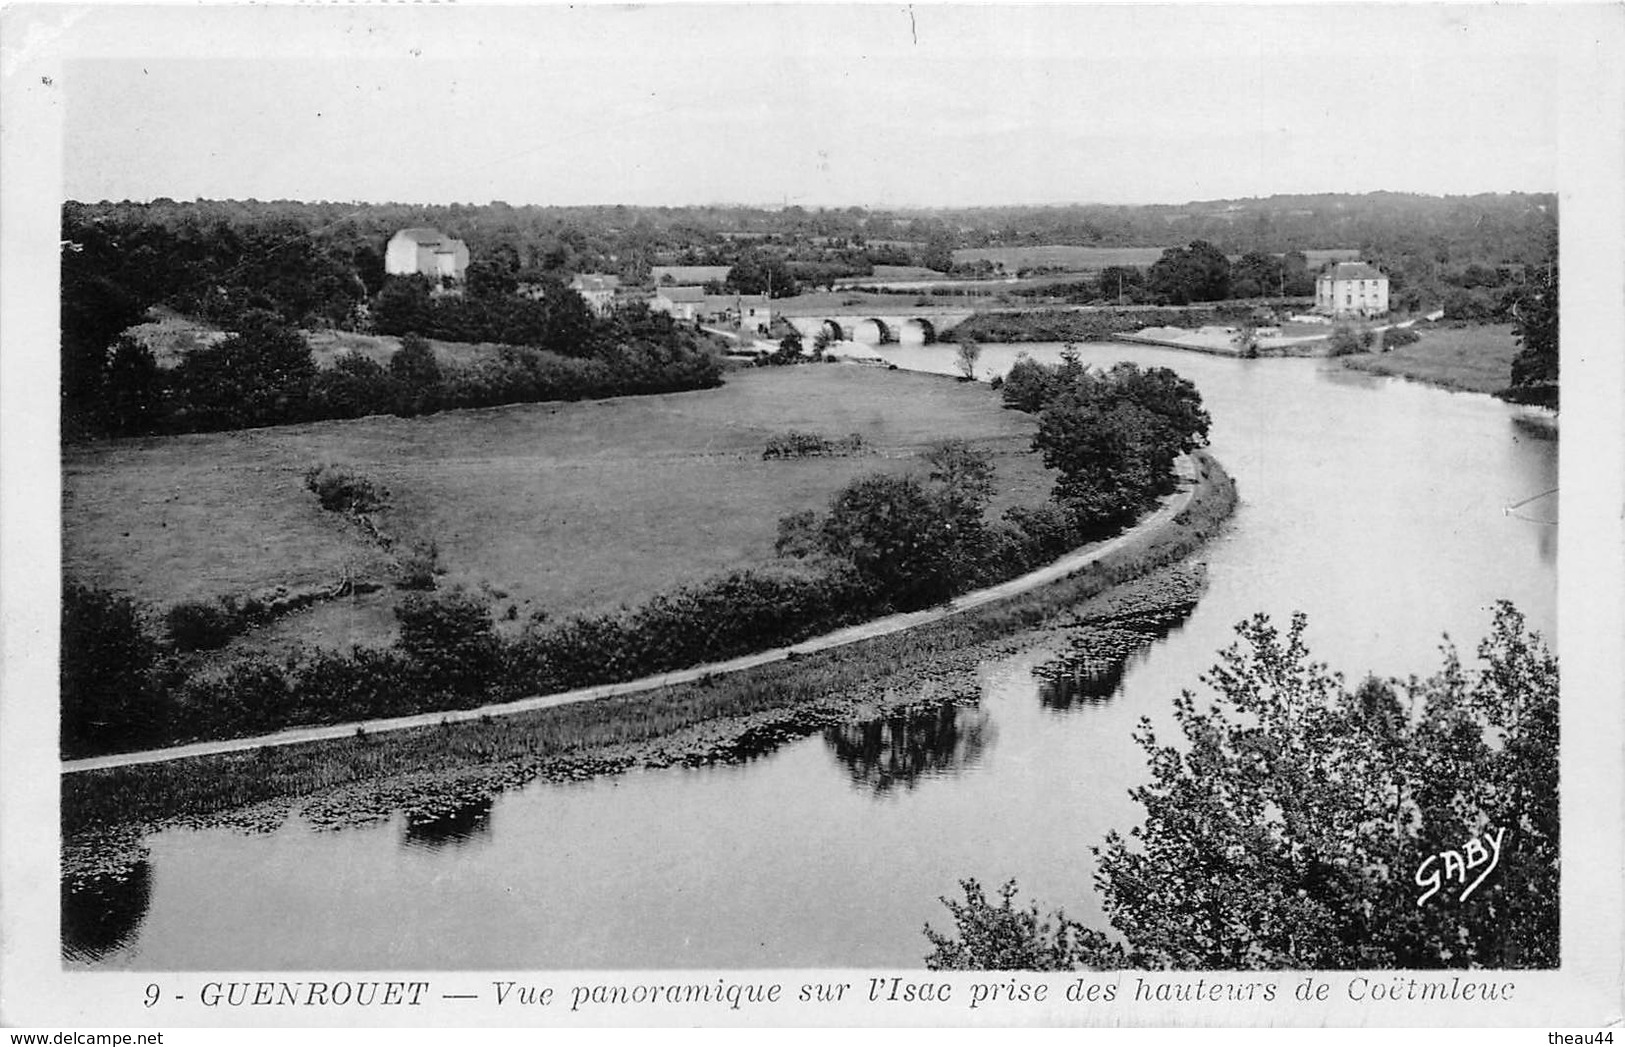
(599,289)
(681,303)
(1351,289)
(428,252)
(751,312)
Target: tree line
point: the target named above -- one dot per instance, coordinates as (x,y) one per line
(263,373)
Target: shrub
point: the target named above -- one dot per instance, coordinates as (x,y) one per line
(1395,337)
(204,625)
(332,687)
(419,566)
(342,490)
(795,444)
(108,675)
(354,386)
(798,534)
(1344,342)
(450,637)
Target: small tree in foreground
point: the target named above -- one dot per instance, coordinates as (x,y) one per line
(969,352)
(1291,827)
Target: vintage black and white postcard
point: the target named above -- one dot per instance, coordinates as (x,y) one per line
(812,515)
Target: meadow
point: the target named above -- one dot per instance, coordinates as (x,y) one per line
(1475,359)
(562,508)
(1073,258)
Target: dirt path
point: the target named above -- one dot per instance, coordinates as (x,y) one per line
(1066,565)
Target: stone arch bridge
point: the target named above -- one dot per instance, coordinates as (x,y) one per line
(916,327)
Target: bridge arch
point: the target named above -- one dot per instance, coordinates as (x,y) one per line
(833,329)
(872,331)
(916,331)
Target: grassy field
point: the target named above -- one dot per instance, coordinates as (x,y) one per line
(1067,256)
(1472,359)
(565,508)
(327,346)
(171,336)
(1092,259)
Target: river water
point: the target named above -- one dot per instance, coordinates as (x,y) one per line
(1375,505)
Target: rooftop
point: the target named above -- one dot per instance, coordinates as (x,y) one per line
(1353,271)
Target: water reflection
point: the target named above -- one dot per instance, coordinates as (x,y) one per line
(455,827)
(101,914)
(1082,682)
(902,748)
(1092,670)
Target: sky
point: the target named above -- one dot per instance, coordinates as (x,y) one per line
(827,105)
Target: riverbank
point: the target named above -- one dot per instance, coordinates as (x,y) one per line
(427,769)
(1474,359)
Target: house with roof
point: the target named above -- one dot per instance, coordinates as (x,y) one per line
(599,289)
(1351,289)
(681,303)
(750,312)
(428,252)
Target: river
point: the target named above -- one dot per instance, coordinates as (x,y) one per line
(1375,505)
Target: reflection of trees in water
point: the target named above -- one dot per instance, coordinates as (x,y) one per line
(1082,681)
(1091,672)
(901,748)
(455,827)
(100,914)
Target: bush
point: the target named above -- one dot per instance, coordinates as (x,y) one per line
(1344,342)
(419,567)
(1395,337)
(354,386)
(795,444)
(342,490)
(109,675)
(417,375)
(248,695)
(798,534)
(451,639)
(204,625)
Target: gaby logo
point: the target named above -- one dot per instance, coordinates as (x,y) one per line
(1482,851)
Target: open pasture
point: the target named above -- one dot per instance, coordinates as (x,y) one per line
(560,507)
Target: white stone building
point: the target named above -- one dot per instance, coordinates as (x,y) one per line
(426,251)
(1351,289)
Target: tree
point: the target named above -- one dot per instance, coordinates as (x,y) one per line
(1535,326)
(969,352)
(1198,273)
(94,310)
(1256,275)
(893,531)
(109,684)
(132,399)
(938,252)
(417,373)
(491,278)
(1111,457)
(261,375)
(1290,825)
(353,386)
(451,638)
(788,352)
(402,306)
(1298,281)
(758,272)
